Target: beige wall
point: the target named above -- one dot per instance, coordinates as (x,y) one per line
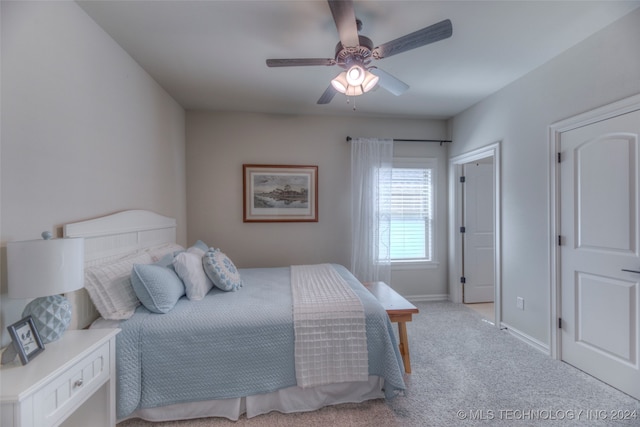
(85,131)
(219,143)
(602,69)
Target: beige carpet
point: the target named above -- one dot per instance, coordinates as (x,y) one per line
(485,309)
(467,372)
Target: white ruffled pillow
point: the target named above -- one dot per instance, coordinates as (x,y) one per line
(189,267)
(109,286)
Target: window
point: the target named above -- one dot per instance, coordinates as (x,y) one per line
(412,210)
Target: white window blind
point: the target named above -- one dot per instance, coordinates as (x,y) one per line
(411,214)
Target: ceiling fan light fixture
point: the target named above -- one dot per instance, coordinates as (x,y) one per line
(341,83)
(355,75)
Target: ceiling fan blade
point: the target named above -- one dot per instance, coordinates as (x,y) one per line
(299,62)
(388,82)
(430,34)
(345,19)
(327,96)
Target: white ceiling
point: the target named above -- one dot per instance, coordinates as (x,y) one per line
(211,54)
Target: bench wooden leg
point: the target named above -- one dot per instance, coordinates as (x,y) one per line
(404,346)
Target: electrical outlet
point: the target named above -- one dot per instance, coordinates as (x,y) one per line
(520,303)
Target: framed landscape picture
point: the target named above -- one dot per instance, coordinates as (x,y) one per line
(280,193)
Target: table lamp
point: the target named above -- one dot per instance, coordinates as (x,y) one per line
(44,269)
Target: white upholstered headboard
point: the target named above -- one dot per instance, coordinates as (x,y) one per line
(110,237)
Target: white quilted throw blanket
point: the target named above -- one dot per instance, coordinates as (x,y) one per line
(329,327)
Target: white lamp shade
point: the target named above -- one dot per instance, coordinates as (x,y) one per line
(37,268)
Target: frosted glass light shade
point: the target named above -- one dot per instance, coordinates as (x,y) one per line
(341,83)
(354,91)
(355,75)
(370,81)
(37,268)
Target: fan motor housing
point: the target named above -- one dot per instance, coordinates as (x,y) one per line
(361,54)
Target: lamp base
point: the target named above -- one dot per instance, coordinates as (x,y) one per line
(51,315)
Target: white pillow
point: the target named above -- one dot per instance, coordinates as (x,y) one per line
(189,267)
(109,286)
(157,252)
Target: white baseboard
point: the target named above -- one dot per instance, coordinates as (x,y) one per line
(538,345)
(427,298)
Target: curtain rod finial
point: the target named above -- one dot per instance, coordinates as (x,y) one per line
(348,138)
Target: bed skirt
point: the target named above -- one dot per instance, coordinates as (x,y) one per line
(289,400)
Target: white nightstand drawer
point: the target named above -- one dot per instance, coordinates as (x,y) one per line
(72,383)
(72,387)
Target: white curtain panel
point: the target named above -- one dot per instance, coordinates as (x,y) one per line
(371,164)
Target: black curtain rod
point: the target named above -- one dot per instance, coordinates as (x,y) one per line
(441,141)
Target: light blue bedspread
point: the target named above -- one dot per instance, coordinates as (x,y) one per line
(231,344)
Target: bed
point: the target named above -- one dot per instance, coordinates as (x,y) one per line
(259,345)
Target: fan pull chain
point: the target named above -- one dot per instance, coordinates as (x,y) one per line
(354,102)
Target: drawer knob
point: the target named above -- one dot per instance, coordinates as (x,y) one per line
(78,383)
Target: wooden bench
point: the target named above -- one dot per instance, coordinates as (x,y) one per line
(399,310)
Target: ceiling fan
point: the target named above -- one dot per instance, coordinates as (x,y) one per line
(354,54)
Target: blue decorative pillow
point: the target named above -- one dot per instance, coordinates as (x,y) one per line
(221,271)
(158,288)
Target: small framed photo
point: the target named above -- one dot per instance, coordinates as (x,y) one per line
(26,339)
(280,193)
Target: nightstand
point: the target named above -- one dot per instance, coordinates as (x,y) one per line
(72,383)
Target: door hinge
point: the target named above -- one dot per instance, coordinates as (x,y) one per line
(463,229)
(463,179)
(559,322)
(559,157)
(559,240)
(463,279)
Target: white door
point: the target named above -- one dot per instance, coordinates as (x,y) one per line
(599,227)
(478,250)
